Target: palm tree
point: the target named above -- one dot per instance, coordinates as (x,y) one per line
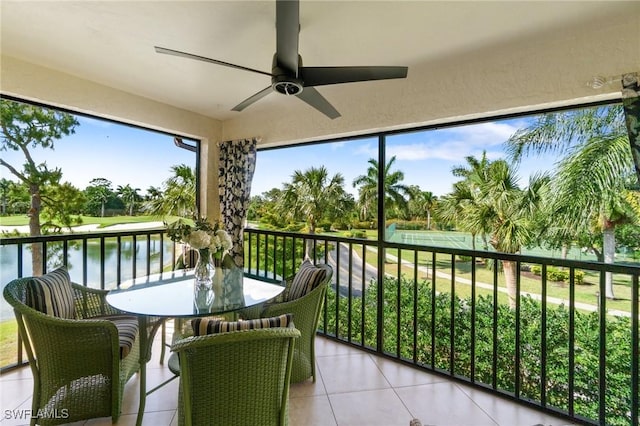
(475,170)
(489,202)
(475,175)
(153,200)
(422,202)
(591,192)
(368,191)
(153,193)
(179,195)
(396,194)
(129,196)
(594,173)
(510,213)
(310,195)
(456,207)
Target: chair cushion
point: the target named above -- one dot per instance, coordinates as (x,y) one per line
(52,294)
(127,326)
(306,279)
(202,326)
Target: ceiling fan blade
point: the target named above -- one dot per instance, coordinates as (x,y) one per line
(253,98)
(316,100)
(320,76)
(166,51)
(287,30)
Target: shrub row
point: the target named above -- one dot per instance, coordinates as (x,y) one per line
(484,357)
(560,275)
(356,233)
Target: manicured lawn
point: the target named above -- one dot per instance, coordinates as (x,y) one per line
(20,220)
(15,220)
(585,293)
(8,342)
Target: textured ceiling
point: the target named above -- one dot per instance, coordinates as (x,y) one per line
(112,42)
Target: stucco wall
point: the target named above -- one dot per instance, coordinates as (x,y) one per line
(31,82)
(517,74)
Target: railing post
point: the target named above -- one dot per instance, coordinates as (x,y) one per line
(381,246)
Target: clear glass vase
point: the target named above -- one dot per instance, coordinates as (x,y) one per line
(204,270)
(202,299)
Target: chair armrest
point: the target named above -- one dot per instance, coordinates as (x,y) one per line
(71,341)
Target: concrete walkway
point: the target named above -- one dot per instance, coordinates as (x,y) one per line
(554,300)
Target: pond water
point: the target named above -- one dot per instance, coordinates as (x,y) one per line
(9,262)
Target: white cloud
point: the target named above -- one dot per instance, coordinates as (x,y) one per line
(452,144)
(367,150)
(336,146)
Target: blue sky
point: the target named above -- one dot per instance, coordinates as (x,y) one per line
(426,158)
(102,149)
(127,155)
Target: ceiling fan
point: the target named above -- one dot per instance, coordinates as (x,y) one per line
(289,77)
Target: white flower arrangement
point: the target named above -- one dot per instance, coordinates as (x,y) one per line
(201,235)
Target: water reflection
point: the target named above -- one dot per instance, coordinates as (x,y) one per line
(129,254)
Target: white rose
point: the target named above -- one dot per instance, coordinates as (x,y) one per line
(199,239)
(215,243)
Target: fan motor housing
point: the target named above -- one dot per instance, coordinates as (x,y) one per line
(286,85)
(283,80)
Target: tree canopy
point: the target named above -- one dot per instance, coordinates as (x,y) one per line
(25,127)
(396,193)
(313,196)
(593,177)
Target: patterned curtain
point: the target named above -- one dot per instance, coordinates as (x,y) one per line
(237,164)
(631,104)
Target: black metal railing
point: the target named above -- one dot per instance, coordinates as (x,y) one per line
(448,311)
(120,251)
(439,309)
(95,259)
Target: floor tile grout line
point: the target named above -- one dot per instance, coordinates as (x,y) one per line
(429,384)
(393,388)
(476,404)
(326,393)
(372,358)
(405,386)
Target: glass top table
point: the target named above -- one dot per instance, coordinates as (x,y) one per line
(157,297)
(172,294)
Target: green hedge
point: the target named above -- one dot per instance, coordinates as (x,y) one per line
(356,233)
(456,353)
(368,224)
(560,275)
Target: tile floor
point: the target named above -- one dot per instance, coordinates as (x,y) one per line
(353,388)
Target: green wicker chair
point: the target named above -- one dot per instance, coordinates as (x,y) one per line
(236,378)
(76,365)
(306,314)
